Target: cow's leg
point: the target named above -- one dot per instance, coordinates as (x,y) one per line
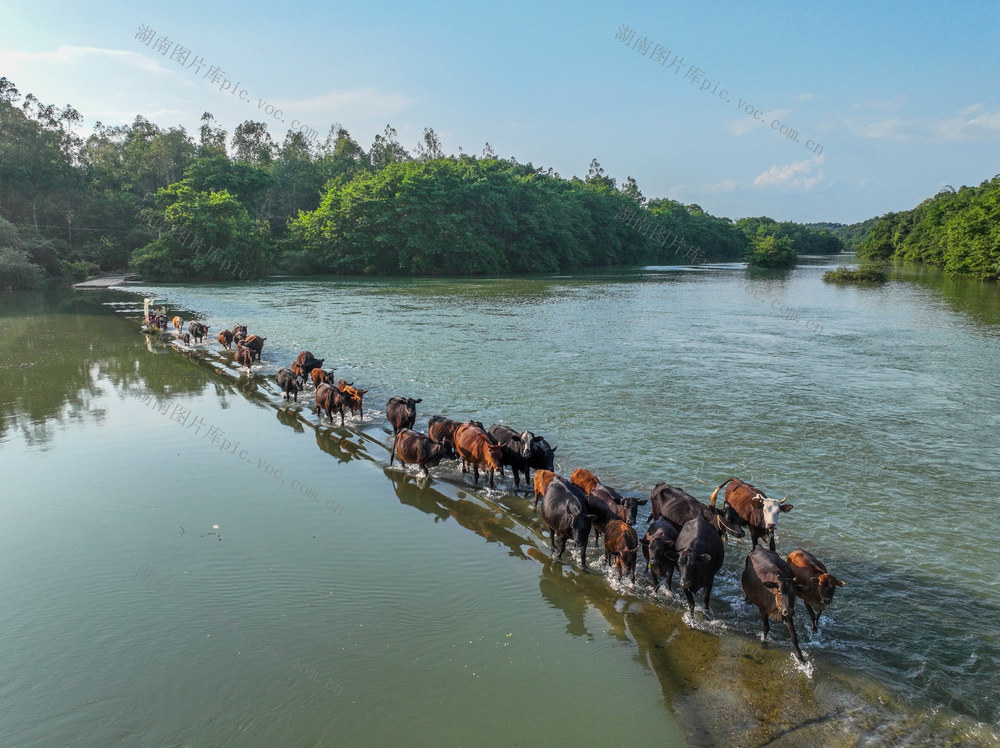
(656,582)
(475,472)
(690,599)
(771,544)
(562,547)
(491,478)
(789,621)
(708,595)
(767,625)
(583,553)
(813,616)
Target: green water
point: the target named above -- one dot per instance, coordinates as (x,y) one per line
(338,599)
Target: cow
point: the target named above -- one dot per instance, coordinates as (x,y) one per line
(177,323)
(198,331)
(239,333)
(660,551)
(256,344)
(321,377)
(161,322)
(225,338)
(700,553)
(475,448)
(244,357)
(592,486)
(564,509)
(307,362)
(441,429)
(756,511)
(817,584)
(413,447)
(769,583)
(186,337)
(290,384)
(680,507)
(401,412)
(542,480)
(329,398)
(513,451)
(600,503)
(622,542)
(353,397)
(538,452)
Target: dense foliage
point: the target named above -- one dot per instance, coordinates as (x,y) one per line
(866,273)
(172,206)
(959,231)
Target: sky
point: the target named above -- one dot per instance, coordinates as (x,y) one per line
(889,103)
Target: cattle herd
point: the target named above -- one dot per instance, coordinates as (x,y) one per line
(684,534)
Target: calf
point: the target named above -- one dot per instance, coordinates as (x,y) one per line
(330,399)
(660,549)
(186,337)
(622,542)
(564,509)
(700,553)
(225,338)
(412,446)
(769,583)
(321,377)
(592,486)
(290,383)
(542,480)
(475,448)
(401,412)
(256,344)
(354,398)
(244,357)
(198,331)
(816,584)
(755,510)
(680,507)
(441,429)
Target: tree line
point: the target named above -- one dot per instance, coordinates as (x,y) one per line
(958,231)
(172,206)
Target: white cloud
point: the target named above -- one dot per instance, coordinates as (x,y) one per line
(798,176)
(726,185)
(369,101)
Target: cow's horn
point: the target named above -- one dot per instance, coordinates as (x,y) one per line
(783,500)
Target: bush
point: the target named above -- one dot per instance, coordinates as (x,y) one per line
(868,272)
(770,251)
(17,272)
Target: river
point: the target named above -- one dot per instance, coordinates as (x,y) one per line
(183,565)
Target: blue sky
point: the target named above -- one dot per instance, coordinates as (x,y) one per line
(890,103)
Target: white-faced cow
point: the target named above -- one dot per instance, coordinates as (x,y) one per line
(756,510)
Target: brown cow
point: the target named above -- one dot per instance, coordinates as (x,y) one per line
(542,480)
(756,511)
(177,322)
(817,585)
(321,377)
(475,448)
(244,357)
(625,508)
(256,344)
(622,542)
(225,338)
(330,399)
(401,412)
(354,397)
(769,583)
(412,446)
(239,333)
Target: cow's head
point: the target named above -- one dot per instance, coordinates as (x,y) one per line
(300,382)
(632,505)
(771,508)
(727,521)
(526,444)
(784,590)
(688,562)
(826,585)
(494,455)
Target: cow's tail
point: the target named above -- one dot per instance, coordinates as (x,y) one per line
(716,491)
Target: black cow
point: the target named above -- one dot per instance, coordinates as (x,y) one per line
(514,452)
(330,398)
(659,548)
(401,412)
(564,509)
(680,507)
(538,452)
(769,583)
(198,331)
(290,383)
(700,553)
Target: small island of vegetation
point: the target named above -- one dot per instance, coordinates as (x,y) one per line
(866,273)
